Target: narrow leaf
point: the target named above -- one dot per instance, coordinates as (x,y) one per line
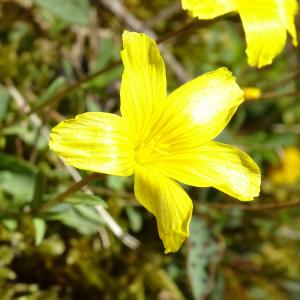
(202,251)
(82,198)
(40,230)
(71,11)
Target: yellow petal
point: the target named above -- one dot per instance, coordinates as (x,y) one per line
(265,31)
(195,113)
(94,141)
(143,88)
(171,206)
(288,172)
(265,22)
(288,10)
(208,9)
(214,164)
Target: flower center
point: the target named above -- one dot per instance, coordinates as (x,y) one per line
(150,151)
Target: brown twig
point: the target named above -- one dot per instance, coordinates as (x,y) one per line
(285,80)
(276,95)
(257,207)
(118,9)
(125,237)
(72,189)
(195,24)
(165,13)
(114,194)
(246,207)
(191,25)
(73,87)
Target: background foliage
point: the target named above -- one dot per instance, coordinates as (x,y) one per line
(236,251)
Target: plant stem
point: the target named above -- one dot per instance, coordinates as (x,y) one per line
(182,30)
(72,189)
(259,207)
(285,80)
(246,207)
(196,23)
(60,95)
(275,95)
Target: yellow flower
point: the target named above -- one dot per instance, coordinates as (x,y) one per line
(289,170)
(162,139)
(265,22)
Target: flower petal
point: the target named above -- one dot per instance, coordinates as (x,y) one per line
(265,24)
(198,111)
(170,204)
(143,88)
(288,10)
(94,141)
(208,9)
(214,164)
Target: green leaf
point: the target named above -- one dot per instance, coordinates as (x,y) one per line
(279,140)
(71,11)
(135,218)
(4,100)
(219,288)
(57,85)
(10,224)
(116,183)
(108,53)
(30,136)
(6,273)
(6,256)
(38,193)
(78,212)
(158,279)
(17,177)
(82,218)
(82,198)
(293,287)
(202,251)
(40,230)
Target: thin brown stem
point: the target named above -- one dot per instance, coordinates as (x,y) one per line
(110,193)
(195,24)
(247,207)
(60,95)
(72,189)
(295,74)
(274,95)
(264,207)
(73,87)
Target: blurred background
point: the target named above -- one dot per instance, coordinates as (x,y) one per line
(51,52)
